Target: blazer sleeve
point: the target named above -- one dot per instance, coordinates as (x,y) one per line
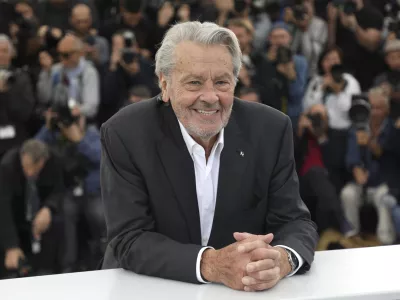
(287,217)
(133,239)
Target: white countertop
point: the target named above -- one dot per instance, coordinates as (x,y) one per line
(368,273)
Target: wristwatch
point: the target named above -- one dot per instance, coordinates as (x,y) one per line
(293,261)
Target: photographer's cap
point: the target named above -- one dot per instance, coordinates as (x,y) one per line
(392,45)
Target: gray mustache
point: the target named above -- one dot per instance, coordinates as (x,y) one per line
(207,106)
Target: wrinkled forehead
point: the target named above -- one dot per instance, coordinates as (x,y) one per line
(198,59)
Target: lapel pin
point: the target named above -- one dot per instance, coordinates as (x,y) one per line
(241,153)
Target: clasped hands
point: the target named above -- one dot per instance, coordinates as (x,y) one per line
(250,264)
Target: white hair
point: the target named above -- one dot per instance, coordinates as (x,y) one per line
(5,38)
(206,33)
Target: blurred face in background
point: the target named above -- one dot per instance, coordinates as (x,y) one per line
(5,54)
(30,168)
(280,37)
(24,9)
(200,88)
(81,19)
(379,107)
(69,52)
(331,58)
(393,60)
(245,38)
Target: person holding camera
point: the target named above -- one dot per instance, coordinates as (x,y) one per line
(75,72)
(289,74)
(16,99)
(96,47)
(320,159)
(310,33)
(390,80)
(127,68)
(356,28)
(374,163)
(333,88)
(31,191)
(79,147)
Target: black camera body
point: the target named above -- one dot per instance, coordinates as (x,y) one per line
(360,112)
(90,40)
(284,55)
(240,5)
(128,54)
(299,12)
(337,72)
(349,7)
(317,123)
(394,26)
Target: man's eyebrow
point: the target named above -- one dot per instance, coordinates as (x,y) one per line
(224,76)
(191,76)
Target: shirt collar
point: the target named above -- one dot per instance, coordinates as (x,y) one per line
(191,143)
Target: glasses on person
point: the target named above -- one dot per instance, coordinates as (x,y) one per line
(66,55)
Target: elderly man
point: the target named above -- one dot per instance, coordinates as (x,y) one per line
(74,72)
(96,47)
(16,99)
(199,186)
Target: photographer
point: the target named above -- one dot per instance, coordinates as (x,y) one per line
(390,80)
(289,77)
(127,68)
(374,161)
(356,28)
(310,33)
(96,47)
(74,71)
(31,190)
(16,99)
(332,88)
(78,145)
(320,159)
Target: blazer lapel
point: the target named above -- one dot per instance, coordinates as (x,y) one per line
(233,162)
(179,168)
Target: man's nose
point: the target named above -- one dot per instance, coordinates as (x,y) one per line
(209,93)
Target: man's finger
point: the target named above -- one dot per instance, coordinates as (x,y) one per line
(261,286)
(260,265)
(265,253)
(241,236)
(262,242)
(266,275)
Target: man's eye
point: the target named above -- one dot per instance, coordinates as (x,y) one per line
(222,82)
(195,82)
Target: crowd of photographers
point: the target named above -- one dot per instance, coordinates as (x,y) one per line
(66,66)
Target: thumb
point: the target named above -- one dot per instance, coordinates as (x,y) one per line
(240,236)
(268,238)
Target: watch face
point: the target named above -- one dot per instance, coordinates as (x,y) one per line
(295,260)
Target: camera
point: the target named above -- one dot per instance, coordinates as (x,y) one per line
(317,123)
(62,106)
(90,40)
(394,110)
(299,12)
(360,111)
(7,76)
(283,55)
(240,6)
(349,7)
(337,72)
(128,54)
(394,26)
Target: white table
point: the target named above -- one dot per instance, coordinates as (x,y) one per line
(369,273)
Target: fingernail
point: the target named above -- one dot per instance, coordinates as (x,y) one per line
(245,281)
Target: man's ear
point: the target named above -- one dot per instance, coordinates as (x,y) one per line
(164,88)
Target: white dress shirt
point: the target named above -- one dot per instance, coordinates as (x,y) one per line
(206,174)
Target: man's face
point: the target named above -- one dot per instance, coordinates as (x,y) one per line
(81,22)
(243,36)
(69,54)
(201,88)
(280,37)
(379,108)
(29,167)
(251,97)
(393,60)
(5,55)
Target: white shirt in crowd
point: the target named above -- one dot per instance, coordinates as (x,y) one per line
(337,105)
(206,174)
